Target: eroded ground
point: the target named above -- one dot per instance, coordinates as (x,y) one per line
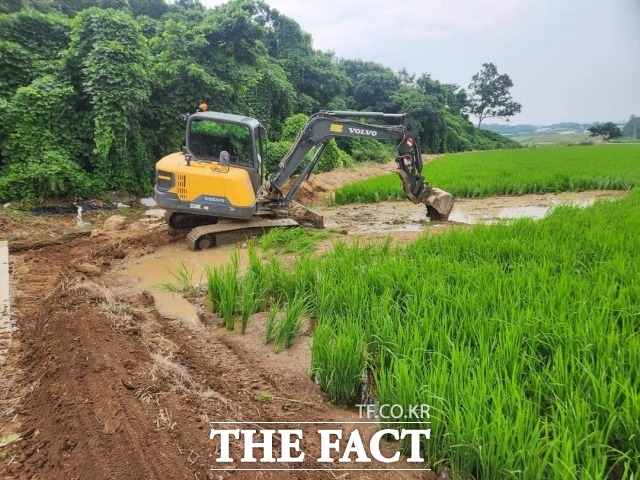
(108,377)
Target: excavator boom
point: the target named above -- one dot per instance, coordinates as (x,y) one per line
(323,126)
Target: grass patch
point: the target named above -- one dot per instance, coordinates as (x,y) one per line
(182,281)
(514,172)
(263,398)
(292,240)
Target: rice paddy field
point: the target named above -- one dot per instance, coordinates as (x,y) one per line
(524,337)
(514,172)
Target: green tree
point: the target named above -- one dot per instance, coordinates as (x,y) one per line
(17,67)
(43,144)
(150,8)
(108,63)
(450,95)
(315,76)
(91,103)
(632,127)
(489,95)
(371,85)
(373,90)
(428,114)
(180,80)
(30,43)
(607,131)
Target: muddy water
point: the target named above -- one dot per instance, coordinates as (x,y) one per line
(155,268)
(403,216)
(490,210)
(358,219)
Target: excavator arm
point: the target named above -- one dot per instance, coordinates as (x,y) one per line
(323,126)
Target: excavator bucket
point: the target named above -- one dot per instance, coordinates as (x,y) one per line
(439,203)
(302,214)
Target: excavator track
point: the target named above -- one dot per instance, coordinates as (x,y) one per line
(208,236)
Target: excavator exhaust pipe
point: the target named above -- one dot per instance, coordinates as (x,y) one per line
(439,203)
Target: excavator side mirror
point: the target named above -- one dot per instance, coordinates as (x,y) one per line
(224,158)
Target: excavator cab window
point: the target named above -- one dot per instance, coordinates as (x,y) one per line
(207,138)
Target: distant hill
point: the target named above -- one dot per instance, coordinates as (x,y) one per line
(526,129)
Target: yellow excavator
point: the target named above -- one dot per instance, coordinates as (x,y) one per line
(216,185)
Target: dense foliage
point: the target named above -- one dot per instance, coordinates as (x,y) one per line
(91,90)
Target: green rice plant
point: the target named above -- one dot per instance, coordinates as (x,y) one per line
(338,361)
(223,290)
(182,280)
(272,323)
(214,288)
(514,172)
(290,323)
(522,337)
(256,267)
(248,301)
(254,295)
(281,283)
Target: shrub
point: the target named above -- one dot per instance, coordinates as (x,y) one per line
(50,174)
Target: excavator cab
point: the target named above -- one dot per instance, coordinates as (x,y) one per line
(217,175)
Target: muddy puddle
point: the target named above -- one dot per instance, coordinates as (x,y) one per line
(153,269)
(403,216)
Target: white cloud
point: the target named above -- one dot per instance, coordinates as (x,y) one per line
(570,60)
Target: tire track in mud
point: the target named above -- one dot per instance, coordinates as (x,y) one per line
(79,420)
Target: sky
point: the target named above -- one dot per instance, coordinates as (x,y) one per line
(570,60)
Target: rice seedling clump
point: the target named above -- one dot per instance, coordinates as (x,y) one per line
(523,337)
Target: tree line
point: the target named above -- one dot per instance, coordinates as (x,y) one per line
(610,131)
(91,89)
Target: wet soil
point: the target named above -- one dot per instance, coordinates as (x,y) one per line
(317,189)
(402,216)
(101,385)
(108,377)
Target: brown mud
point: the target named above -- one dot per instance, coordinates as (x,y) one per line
(109,377)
